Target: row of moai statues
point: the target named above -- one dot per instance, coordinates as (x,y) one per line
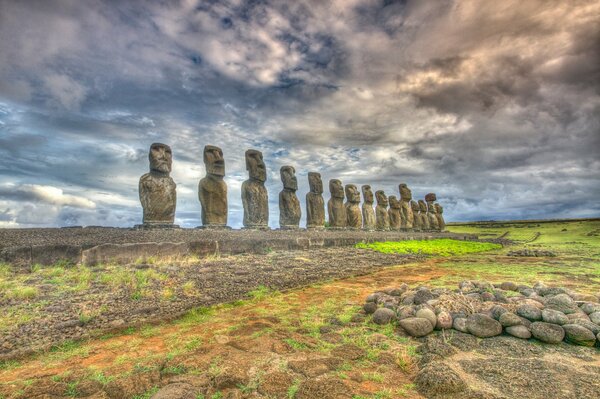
(158,196)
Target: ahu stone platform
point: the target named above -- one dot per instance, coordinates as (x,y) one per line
(93,245)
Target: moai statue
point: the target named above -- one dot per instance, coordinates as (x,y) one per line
(425,226)
(382,219)
(439,213)
(353,212)
(315,205)
(407,213)
(431,214)
(289,204)
(368,213)
(212,189)
(254,194)
(417,225)
(157,189)
(335,205)
(395,213)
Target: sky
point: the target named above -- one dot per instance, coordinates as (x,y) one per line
(492,105)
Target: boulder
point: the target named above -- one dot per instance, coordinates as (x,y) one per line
(529,312)
(519,332)
(496,311)
(483,326)
(589,307)
(416,326)
(579,335)
(406,312)
(383,316)
(563,303)
(427,314)
(509,286)
(444,321)
(595,317)
(510,319)
(554,317)
(593,327)
(422,296)
(548,333)
(578,316)
(370,307)
(460,324)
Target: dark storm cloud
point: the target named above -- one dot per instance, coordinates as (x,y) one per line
(494,107)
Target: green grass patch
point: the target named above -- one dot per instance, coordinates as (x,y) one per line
(439,247)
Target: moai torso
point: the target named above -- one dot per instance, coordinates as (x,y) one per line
(353,212)
(382,219)
(157,190)
(417,224)
(431,214)
(212,189)
(423,215)
(394,213)
(439,211)
(289,205)
(254,194)
(335,205)
(368,213)
(315,205)
(406,208)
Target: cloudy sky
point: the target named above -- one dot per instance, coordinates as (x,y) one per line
(493,105)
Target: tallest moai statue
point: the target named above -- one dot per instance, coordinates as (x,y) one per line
(254,194)
(157,189)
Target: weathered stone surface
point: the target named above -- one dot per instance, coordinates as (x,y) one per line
(563,303)
(593,327)
(315,205)
(460,324)
(289,204)
(440,217)
(353,212)
(444,321)
(157,189)
(423,215)
(368,213)
(519,332)
(590,307)
(509,319)
(529,312)
(407,215)
(579,335)
(383,316)
(509,286)
(554,317)
(382,219)
(212,189)
(255,198)
(595,317)
(423,295)
(394,213)
(417,221)
(335,205)
(546,332)
(483,326)
(431,212)
(497,310)
(416,326)
(428,314)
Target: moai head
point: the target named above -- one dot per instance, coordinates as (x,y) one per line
(288,177)
(213,160)
(367,194)
(381,198)
(422,206)
(352,193)
(315,183)
(438,208)
(336,189)
(405,193)
(430,197)
(394,203)
(414,206)
(256,166)
(161,158)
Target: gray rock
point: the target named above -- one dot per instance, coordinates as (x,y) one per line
(423,295)
(496,311)
(554,317)
(529,312)
(548,333)
(578,316)
(460,324)
(508,286)
(372,298)
(370,307)
(405,312)
(579,335)
(563,303)
(416,326)
(487,296)
(510,319)
(593,327)
(408,300)
(519,332)
(444,321)
(383,316)
(483,326)
(589,307)
(595,317)
(427,314)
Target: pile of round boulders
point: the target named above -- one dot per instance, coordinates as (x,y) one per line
(549,314)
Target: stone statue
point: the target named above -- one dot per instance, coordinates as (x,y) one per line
(212,190)
(431,214)
(395,213)
(315,205)
(382,219)
(335,205)
(289,204)
(407,213)
(353,212)
(417,225)
(254,194)
(157,189)
(423,214)
(439,213)
(368,213)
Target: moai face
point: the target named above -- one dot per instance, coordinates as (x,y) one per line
(367,194)
(430,197)
(422,206)
(352,193)
(213,160)
(336,189)
(405,192)
(315,183)
(288,177)
(415,206)
(381,198)
(256,166)
(394,203)
(161,158)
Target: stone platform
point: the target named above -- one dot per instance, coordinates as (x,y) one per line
(93,245)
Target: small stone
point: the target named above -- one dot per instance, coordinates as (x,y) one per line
(509,319)
(370,307)
(529,312)
(584,297)
(589,307)
(578,316)
(427,314)
(444,321)
(483,326)
(117,323)
(554,317)
(372,298)
(497,310)
(548,333)
(595,317)
(508,286)
(593,327)
(562,303)
(405,312)
(487,296)
(460,324)
(422,295)
(416,326)
(579,335)
(383,316)
(519,332)
(408,300)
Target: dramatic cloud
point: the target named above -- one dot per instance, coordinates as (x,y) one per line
(493,106)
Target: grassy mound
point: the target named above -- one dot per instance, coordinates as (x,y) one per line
(440,247)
